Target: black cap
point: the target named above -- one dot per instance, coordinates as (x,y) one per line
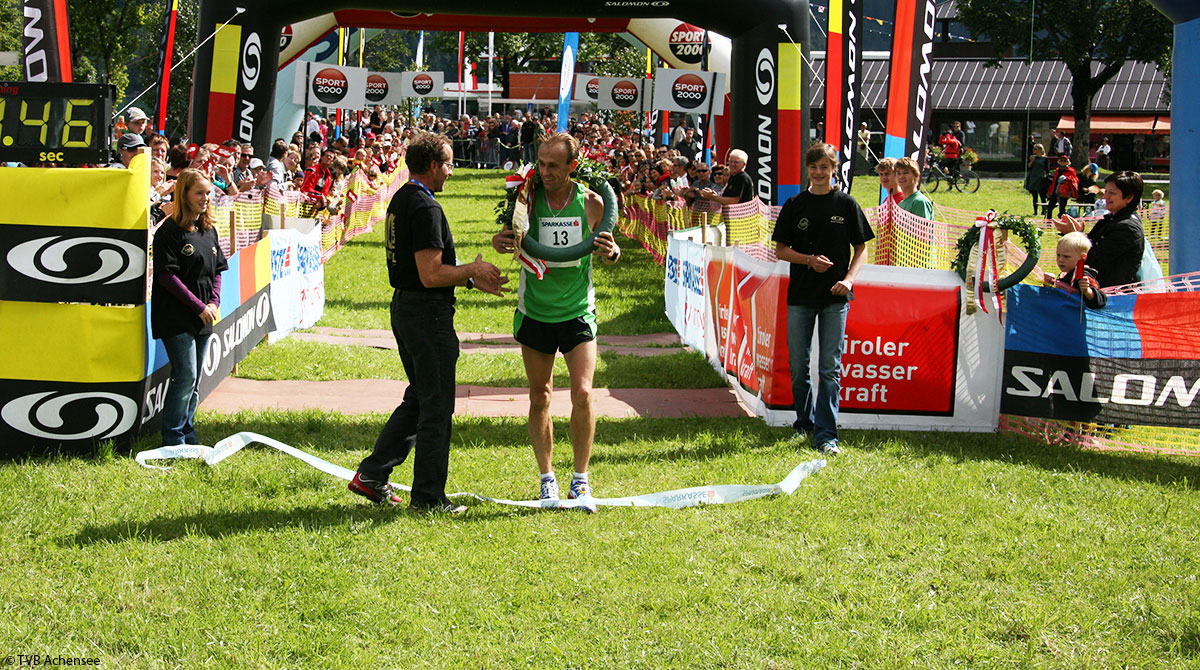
(130,141)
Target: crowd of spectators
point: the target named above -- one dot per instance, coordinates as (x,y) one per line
(674,173)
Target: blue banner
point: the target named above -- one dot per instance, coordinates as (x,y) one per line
(1135,362)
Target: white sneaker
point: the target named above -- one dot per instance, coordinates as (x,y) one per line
(549,489)
(579,489)
(829,448)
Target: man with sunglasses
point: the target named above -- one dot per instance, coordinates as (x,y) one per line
(243,176)
(739,187)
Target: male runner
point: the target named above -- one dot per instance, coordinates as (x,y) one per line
(558,312)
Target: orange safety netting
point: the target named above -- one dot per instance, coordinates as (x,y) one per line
(239,218)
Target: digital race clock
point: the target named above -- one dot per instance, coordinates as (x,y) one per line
(42,122)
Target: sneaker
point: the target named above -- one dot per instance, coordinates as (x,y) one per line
(376,492)
(549,490)
(829,448)
(579,489)
(445,507)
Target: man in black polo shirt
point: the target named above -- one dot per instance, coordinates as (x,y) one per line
(423,271)
(815,232)
(739,188)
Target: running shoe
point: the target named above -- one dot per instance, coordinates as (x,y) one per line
(549,490)
(829,448)
(376,492)
(579,489)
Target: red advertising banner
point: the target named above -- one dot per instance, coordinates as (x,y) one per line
(900,350)
(899,354)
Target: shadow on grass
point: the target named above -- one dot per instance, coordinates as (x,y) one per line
(1020,450)
(353,305)
(220,524)
(693,438)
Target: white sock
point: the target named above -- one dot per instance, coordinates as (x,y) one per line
(577,476)
(548,476)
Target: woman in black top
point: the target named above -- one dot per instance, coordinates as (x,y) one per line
(1118,240)
(1037,175)
(188,262)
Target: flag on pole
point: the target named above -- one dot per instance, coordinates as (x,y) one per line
(47,42)
(909,80)
(842,87)
(166,52)
(462,38)
(420,66)
(566,79)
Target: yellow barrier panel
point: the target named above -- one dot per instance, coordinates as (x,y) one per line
(72,343)
(87,198)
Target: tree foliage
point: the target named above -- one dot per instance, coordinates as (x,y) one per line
(1093,38)
(11,22)
(390,51)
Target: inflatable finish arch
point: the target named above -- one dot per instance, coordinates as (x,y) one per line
(234,79)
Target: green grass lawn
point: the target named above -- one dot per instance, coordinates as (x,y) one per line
(910,550)
(913,550)
(315,361)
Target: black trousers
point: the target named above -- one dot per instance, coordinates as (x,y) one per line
(424,330)
(1056,199)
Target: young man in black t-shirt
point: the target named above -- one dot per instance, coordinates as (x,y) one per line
(423,271)
(823,234)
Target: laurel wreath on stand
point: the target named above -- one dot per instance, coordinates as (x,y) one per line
(1031,239)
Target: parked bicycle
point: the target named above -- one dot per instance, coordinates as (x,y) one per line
(965,181)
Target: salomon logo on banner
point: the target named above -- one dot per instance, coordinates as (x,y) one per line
(1135,362)
(625,93)
(69,417)
(330,86)
(377,88)
(251,61)
(764,82)
(687,43)
(689,91)
(422,84)
(55,264)
(234,336)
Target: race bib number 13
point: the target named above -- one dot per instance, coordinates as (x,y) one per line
(561,232)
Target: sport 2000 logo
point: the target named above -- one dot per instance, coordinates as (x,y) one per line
(687,43)
(54,415)
(422,84)
(625,93)
(330,85)
(377,88)
(689,91)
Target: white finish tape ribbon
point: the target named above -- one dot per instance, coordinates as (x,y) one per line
(698,495)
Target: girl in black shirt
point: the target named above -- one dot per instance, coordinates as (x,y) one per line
(188,262)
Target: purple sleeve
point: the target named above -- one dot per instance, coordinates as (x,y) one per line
(216,297)
(176,288)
